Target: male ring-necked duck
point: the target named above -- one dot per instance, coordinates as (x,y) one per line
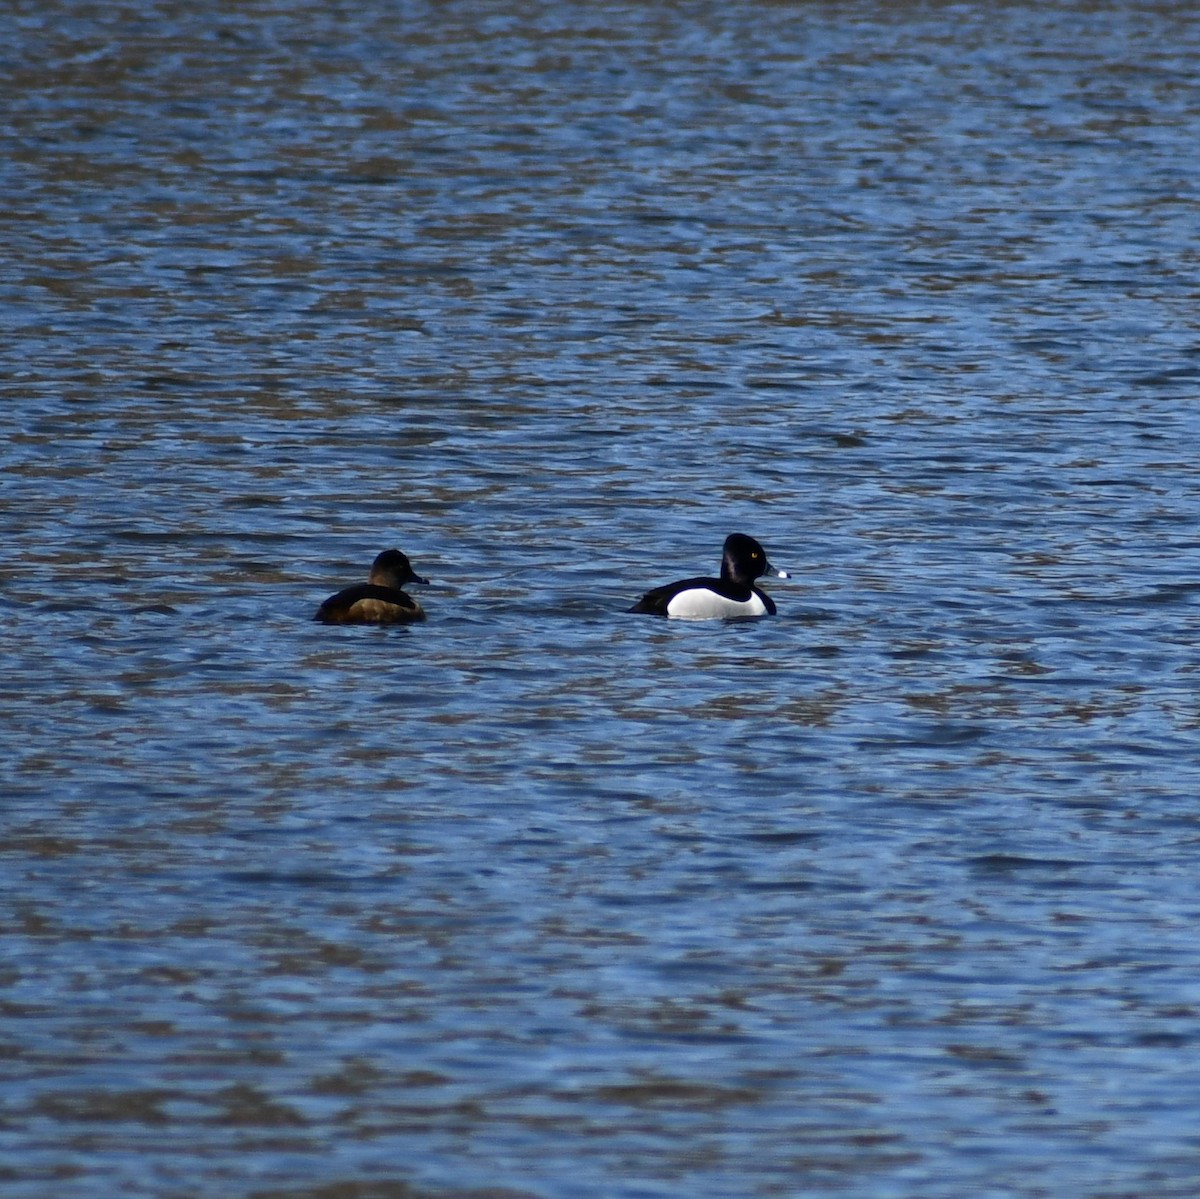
(732,595)
(380,600)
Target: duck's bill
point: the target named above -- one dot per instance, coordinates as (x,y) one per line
(418,579)
(779,574)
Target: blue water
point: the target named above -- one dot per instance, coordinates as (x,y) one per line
(890,896)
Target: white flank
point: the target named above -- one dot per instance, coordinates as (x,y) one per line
(698,603)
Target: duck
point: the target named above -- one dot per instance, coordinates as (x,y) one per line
(732,596)
(380,600)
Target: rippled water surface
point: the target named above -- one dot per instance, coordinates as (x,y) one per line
(892,896)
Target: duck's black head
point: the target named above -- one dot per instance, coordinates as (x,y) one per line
(745,560)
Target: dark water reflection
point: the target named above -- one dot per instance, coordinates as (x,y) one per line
(890,896)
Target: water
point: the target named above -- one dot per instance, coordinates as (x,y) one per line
(890,896)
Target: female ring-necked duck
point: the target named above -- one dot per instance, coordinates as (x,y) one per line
(732,595)
(380,600)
